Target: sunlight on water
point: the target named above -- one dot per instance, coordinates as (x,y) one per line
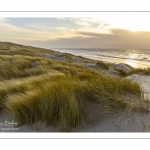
(131,61)
(134,58)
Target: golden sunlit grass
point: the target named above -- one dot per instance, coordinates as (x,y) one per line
(20,66)
(69,56)
(59,99)
(24,66)
(139,71)
(33,88)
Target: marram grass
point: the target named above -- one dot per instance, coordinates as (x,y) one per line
(33,88)
(103,65)
(59,100)
(139,71)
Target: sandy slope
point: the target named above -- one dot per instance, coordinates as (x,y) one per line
(121,122)
(144,81)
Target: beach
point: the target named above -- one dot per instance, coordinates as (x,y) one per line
(134,57)
(114,107)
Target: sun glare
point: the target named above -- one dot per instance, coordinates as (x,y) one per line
(132,60)
(129,21)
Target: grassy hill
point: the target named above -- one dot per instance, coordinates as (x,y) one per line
(35,88)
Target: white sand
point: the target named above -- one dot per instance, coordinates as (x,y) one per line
(127,122)
(144,81)
(123,122)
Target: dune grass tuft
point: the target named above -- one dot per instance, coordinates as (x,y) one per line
(52,103)
(103,65)
(129,66)
(121,71)
(139,71)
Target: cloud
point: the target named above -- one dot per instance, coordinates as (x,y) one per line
(61,18)
(43,32)
(118,39)
(120,31)
(13,33)
(61,28)
(91,33)
(90,22)
(3,20)
(35,32)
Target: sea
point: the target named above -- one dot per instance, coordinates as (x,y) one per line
(133,57)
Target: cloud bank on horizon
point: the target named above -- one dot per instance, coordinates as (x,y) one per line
(110,30)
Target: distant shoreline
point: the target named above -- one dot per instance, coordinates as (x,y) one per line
(98,54)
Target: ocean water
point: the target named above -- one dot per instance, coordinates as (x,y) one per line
(135,58)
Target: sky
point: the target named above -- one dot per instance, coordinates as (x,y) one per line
(108,30)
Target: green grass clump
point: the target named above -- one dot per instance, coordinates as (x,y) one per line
(103,65)
(63,104)
(52,103)
(11,87)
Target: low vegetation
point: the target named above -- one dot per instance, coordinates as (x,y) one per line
(139,71)
(33,88)
(69,56)
(122,72)
(59,98)
(103,65)
(129,66)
